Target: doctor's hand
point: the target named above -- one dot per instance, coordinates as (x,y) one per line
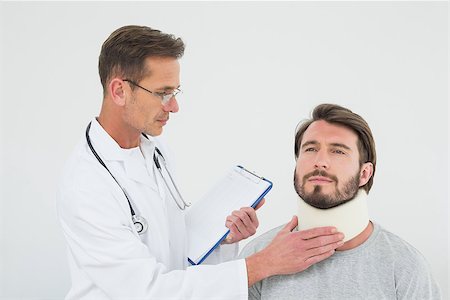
(293,251)
(242,223)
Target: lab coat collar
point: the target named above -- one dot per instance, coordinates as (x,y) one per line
(148,144)
(104,144)
(109,150)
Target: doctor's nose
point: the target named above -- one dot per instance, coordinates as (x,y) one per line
(171,105)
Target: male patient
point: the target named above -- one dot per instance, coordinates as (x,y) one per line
(336,159)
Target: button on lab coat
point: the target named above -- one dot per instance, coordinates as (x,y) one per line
(108,259)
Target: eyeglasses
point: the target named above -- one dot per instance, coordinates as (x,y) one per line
(165,97)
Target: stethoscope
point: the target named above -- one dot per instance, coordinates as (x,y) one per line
(139,222)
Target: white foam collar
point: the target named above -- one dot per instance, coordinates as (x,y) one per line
(350,218)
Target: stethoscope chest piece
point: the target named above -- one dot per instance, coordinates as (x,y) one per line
(140,224)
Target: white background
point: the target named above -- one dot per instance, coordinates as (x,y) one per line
(251,72)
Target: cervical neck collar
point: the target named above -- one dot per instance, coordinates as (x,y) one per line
(350,218)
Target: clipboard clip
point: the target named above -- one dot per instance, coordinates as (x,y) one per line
(250,175)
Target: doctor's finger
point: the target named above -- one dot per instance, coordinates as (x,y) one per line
(323,250)
(315,232)
(239,225)
(244,216)
(316,258)
(236,236)
(231,224)
(251,214)
(248,216)
(324,240)
(261,203)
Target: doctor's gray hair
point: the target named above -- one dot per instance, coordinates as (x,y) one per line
(335,114)
(124,52)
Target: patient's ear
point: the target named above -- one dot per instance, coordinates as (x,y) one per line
(365,173)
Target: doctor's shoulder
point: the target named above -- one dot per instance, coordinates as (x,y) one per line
(85,185)
(80,168)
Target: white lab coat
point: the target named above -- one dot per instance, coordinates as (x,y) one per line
(107,257)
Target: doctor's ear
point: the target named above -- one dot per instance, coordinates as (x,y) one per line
(116,89)
(366,173)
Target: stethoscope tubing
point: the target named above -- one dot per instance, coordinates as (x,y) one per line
(139,221)
(159,167)
(104,165)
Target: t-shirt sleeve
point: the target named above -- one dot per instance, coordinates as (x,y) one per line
(254,292)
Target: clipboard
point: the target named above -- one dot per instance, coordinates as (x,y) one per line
(205,220)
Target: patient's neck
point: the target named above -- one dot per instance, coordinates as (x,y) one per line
(357,240)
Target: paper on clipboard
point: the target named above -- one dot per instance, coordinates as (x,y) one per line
(205,220)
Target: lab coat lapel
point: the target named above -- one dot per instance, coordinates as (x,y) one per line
(142,171)
(137,171)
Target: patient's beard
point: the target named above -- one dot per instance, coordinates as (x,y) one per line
(319,200)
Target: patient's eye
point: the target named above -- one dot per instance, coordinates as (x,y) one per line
(337,151)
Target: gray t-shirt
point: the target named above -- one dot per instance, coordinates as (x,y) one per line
(383,267)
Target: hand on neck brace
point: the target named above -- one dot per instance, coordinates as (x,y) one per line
(350,218)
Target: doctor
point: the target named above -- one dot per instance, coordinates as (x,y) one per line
(120,210)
